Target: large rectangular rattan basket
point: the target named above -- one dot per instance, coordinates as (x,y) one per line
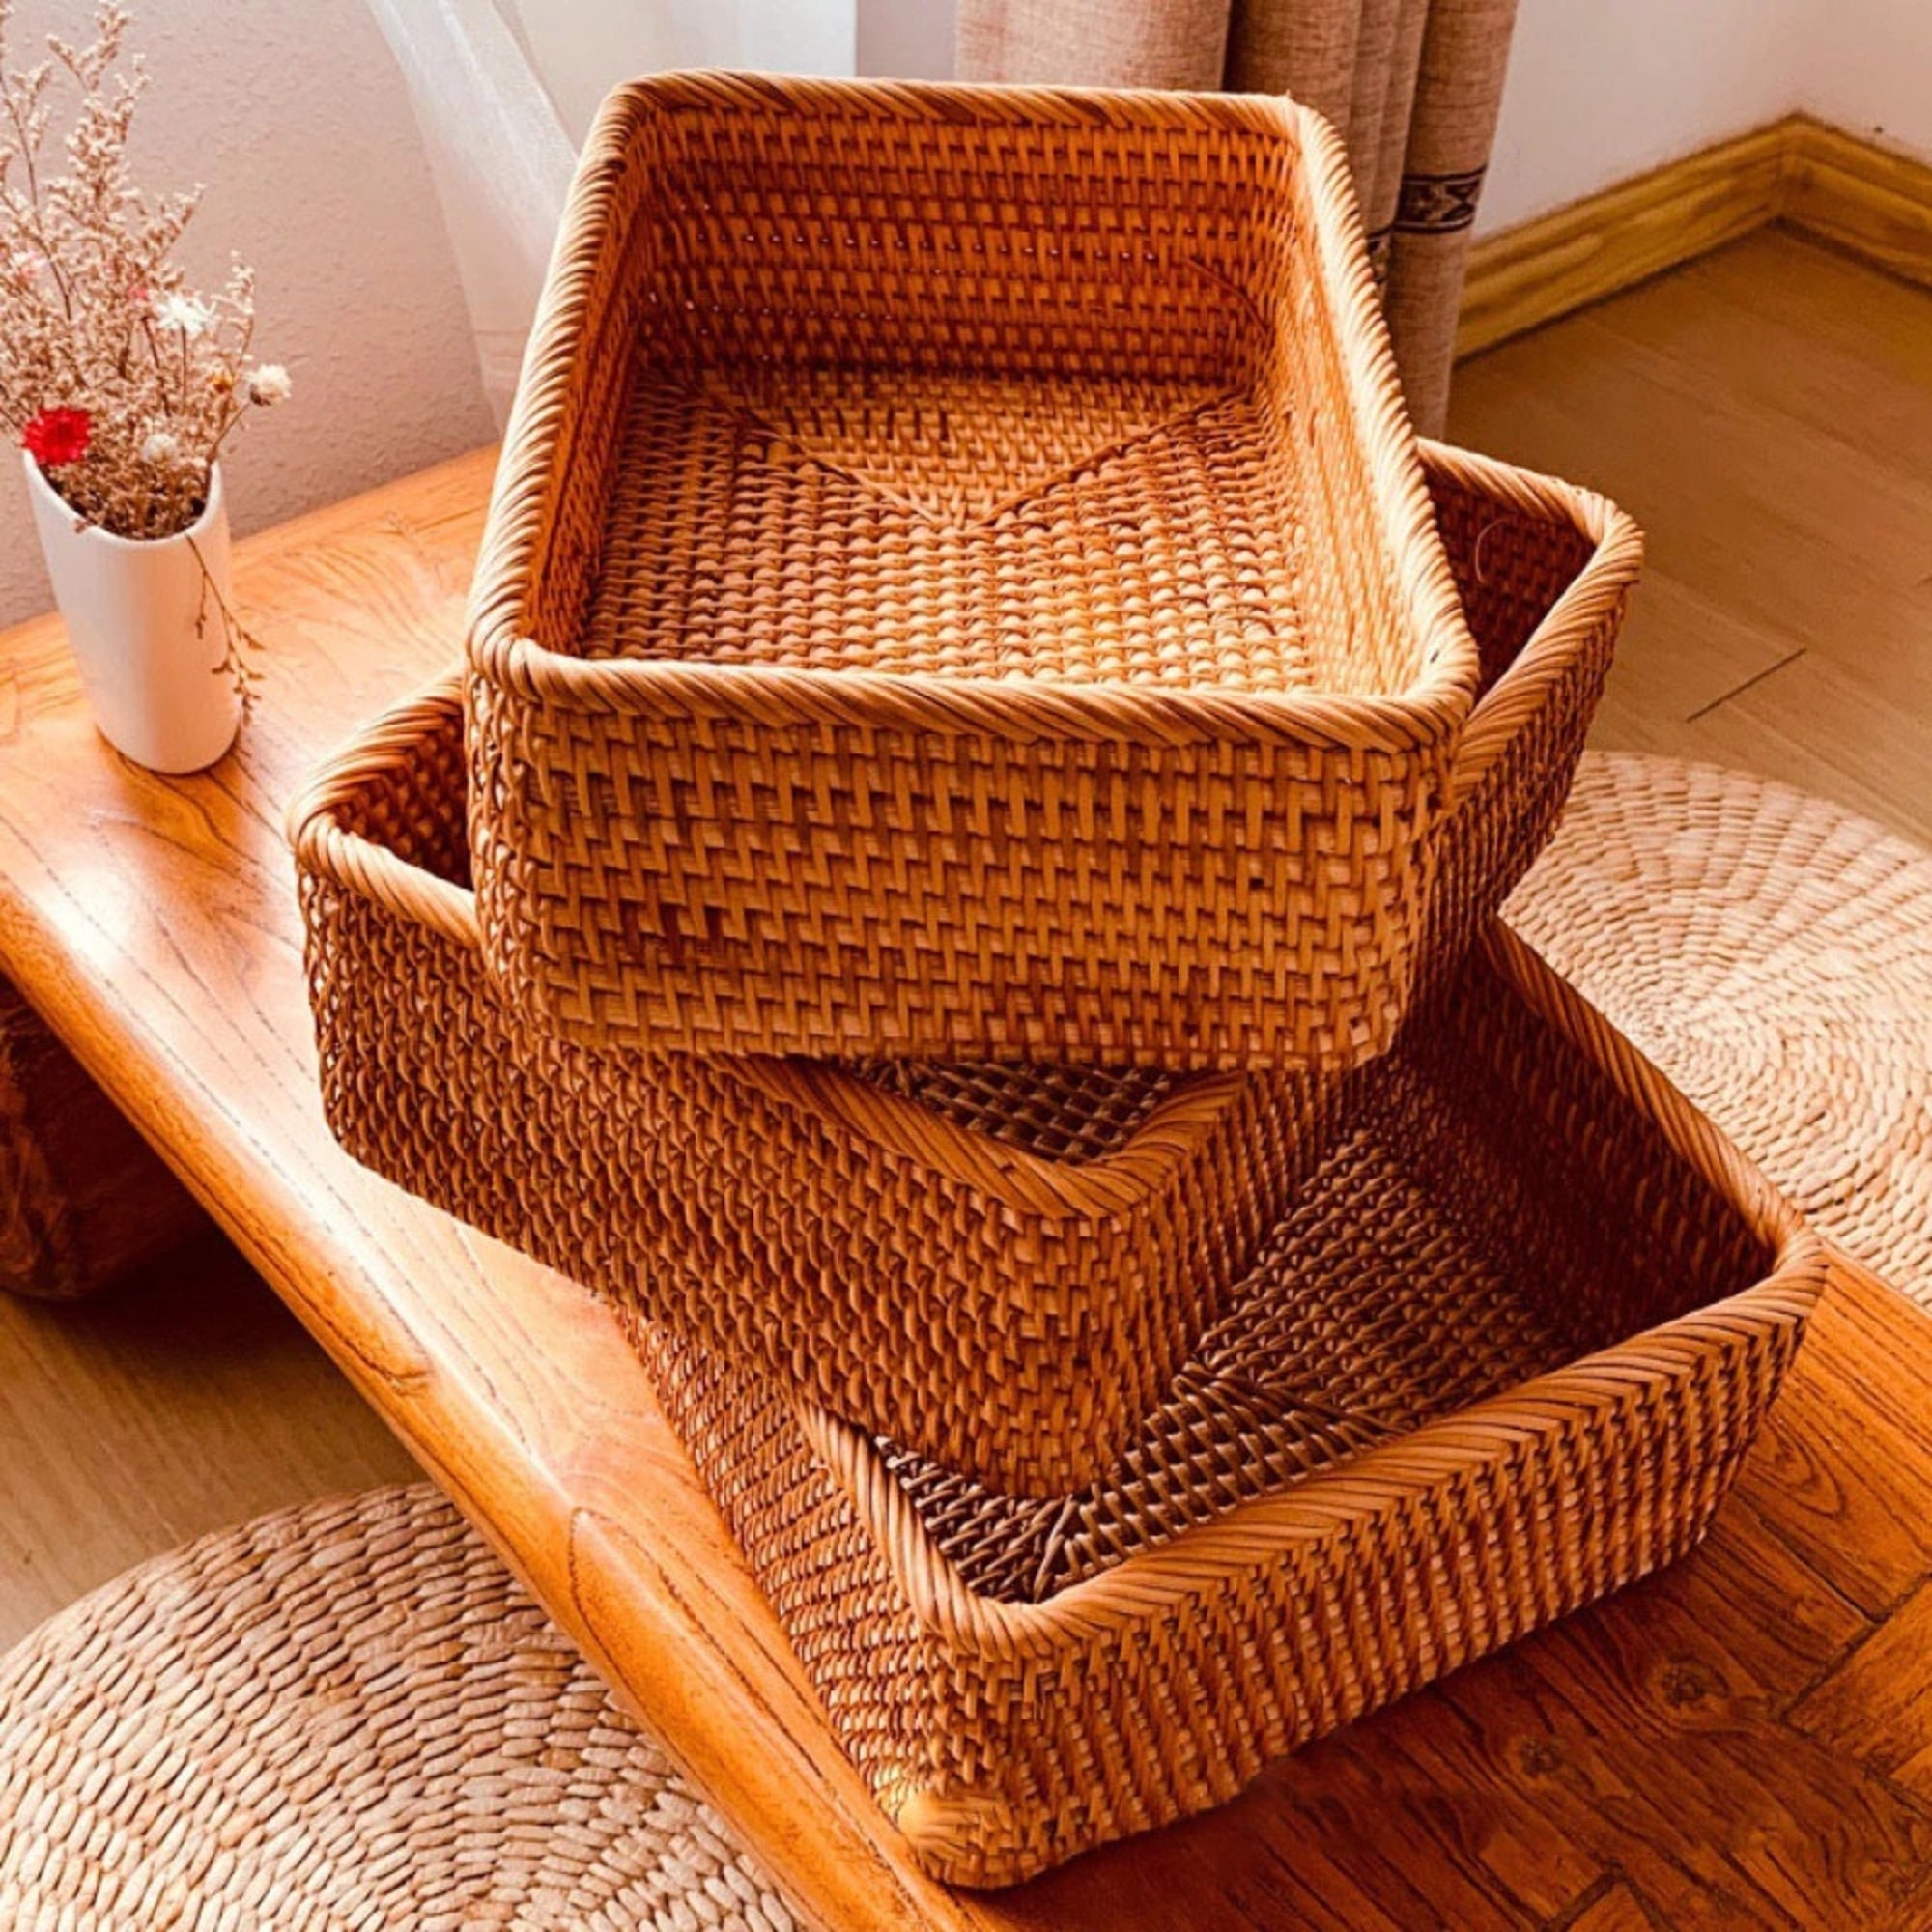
(1504,1352)
(1000,1268)
(960,586)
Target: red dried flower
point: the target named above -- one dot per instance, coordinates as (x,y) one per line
(57,435)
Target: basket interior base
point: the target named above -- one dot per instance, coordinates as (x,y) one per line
(1426,1266)
(923,521)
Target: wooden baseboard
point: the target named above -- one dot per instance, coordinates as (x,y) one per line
(1867,199)
(1531,274)
(1852,192)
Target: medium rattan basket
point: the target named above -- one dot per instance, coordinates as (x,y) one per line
(925,1247)
(1504,1353)
(960,586)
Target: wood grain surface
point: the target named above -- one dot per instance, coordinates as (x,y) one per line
(1874,201)
(185,1400)
(1528,275)
(1740,1742)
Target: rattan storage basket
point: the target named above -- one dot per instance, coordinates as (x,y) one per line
(1504,1353)
(998,1263)
(926,1248)
(959,586)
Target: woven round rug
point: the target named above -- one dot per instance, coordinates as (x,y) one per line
(1771,952)
(345,1715)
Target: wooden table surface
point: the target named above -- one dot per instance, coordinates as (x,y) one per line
(1744,1741)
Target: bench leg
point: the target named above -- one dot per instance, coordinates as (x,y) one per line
(83,1199)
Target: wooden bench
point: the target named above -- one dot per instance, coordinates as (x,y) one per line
(1744,1741)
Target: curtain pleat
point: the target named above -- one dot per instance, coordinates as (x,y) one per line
(1176,44)
(1458,93)
(1376,171)
(1412,85)
(1291,46)
(1394,91)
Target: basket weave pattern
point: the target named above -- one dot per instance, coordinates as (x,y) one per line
(862,664)
(1505,1354)
(1543,571)
(921,1247)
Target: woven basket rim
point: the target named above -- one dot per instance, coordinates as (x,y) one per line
(689,90)
(1114,1182)
(1488,1432)
(1106,1185)
(321,844)
(1608,576)
(1430,707)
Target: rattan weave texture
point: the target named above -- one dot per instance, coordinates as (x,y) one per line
(1772,951)
(926,1247)
(960,586)
(1504,1353)
(347,1714)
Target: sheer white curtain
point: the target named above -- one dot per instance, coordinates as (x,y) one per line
(505,89)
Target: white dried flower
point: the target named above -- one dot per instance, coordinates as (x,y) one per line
(100,323)
(269,384)
(187,313)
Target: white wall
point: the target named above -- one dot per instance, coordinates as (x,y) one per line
(906,40)
(293,115)
(1598,93)
(1870,71)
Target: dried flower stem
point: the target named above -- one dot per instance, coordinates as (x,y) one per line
(241,645)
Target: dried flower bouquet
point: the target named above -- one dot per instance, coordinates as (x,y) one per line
(118,378)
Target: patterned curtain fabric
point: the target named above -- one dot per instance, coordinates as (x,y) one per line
(1413,85)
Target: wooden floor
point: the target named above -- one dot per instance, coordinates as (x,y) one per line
(188,1398)
(1765,413)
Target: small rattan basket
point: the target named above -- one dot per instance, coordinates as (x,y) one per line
(1504,1353)
(925,1247)
(960,586)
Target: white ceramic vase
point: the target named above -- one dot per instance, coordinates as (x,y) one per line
(148,626)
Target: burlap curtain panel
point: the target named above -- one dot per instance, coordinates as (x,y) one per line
(1413,85)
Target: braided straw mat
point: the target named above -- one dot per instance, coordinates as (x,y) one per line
(345,1716)
(1771,952)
